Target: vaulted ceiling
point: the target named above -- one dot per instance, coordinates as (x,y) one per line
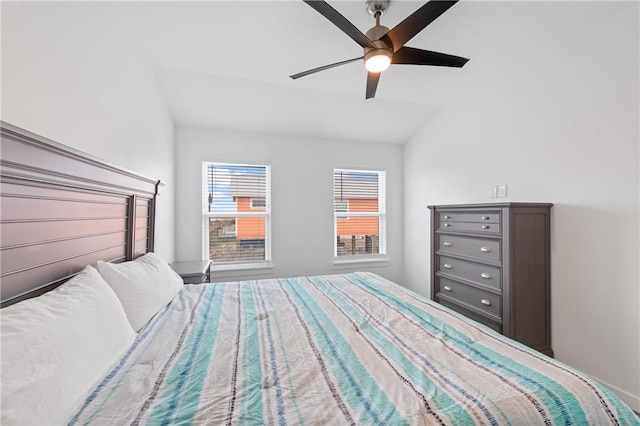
(227,63)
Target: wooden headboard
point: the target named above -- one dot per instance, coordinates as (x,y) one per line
(61,209)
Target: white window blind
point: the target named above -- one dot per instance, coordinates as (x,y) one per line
(359,213)
(236,213)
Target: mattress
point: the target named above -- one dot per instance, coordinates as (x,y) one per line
(332,350)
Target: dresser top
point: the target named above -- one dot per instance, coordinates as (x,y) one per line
(489,205)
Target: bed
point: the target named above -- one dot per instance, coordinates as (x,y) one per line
(333,349)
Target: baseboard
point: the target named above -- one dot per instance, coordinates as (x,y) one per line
(633,401)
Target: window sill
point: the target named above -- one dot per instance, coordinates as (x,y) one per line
(360,260)
(240,271)
(241,267)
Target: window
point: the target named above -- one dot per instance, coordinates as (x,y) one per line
(359,212)
(236,214)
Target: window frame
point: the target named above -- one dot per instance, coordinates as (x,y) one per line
(255,212)
(381,214)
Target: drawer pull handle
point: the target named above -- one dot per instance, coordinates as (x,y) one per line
(447,288)
(485,249)
(486,302)
(485,227)
(486,217)
(447,217)
(447,266)
(485,276)
(446,225)
(446,244)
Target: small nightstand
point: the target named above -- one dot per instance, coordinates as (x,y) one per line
(193,272)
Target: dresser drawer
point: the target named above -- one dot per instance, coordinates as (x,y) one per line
(479,273)
(479,318)
(477,217)
(471,297)
(479,248)
(485,228)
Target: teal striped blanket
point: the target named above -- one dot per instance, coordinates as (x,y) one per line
(352,349)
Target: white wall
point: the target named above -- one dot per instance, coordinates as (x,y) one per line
(561,129)
(63,79)
(302,195)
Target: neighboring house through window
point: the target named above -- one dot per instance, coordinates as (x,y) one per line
(236,214)
(359,212)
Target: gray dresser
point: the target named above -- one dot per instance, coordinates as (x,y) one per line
(491,263)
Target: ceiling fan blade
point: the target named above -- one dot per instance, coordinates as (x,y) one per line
(414,23)
(340,21)
(324,67)
(411,56)
(372,84)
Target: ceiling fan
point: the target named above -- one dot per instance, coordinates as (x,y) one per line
(383,46)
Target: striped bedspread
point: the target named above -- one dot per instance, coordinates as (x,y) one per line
(334,350)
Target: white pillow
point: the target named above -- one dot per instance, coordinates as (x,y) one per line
(144,286)
(57,346)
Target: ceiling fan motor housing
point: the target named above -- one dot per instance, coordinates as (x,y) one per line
(375,34)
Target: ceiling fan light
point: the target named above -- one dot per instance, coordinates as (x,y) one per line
(377,60)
